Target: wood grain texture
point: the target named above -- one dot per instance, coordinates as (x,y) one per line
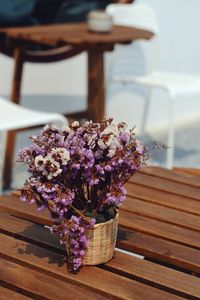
(101,282)
(159,249)
(96,90)
(38,285)
(159,276)
(185,175)
(7,294)
(159,229)
(150,225)
(160,213)
(141,242)
(129,220)
(187,171)
(76,34)
(149,246)
(16,207)
(162,198)
(166,185)
(141,270)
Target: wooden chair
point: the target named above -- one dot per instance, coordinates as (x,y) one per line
(20,58)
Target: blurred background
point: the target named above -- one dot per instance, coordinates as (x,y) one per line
(63,85)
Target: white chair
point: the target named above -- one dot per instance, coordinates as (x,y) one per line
(16,117)
(137,65)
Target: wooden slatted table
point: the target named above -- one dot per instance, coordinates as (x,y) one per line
(159,220)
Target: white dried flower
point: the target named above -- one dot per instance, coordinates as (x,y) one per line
(111,129)
(139,146)
(90,140)
(62,153)
(102,144)
(46,127)
(111,152)
(75,124)
(67,129)
(52,168)
(40,162)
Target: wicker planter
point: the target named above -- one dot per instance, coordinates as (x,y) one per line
(101,242)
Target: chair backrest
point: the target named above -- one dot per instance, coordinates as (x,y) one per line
(140,57)
(14,116)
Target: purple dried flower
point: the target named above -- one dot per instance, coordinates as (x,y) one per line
(79,172)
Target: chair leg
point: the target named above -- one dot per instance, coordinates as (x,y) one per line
(146,110)
(3,145)
(11,135)
(171,135)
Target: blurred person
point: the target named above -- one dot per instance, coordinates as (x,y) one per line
(63,11)
(33,12)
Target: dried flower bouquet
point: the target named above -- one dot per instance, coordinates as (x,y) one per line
(79,173)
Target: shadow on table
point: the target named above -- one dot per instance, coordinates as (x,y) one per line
(42,244)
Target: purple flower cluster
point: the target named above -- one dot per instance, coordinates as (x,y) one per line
(73,234)
(79,172)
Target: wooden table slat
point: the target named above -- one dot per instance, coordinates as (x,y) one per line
(129,220)
(172,175)
(166,185)
(160,213)
(157,275)
(142,270)
(7,294)
(151,247)
(194,172)
(160,229)
(159,220)
(12,204)
(160,250)
(24,210)
(37,285)
(100,281)
(149,194)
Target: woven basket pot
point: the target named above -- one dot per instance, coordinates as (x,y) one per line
(101,242)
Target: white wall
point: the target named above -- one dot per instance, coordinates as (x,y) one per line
(179,52)
(180,47)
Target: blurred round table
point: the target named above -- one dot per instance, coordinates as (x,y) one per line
(80,39)
(63,41)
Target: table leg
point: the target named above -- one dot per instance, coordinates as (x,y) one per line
(96,90)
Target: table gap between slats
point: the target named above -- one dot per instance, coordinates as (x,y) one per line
(145,245)
(95,279)
(161,198)
(172,175)
(123,257)
(166,185)
(29,212)
(9,294)
(38,285)
(30,232)
(160,213)
(129,220)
